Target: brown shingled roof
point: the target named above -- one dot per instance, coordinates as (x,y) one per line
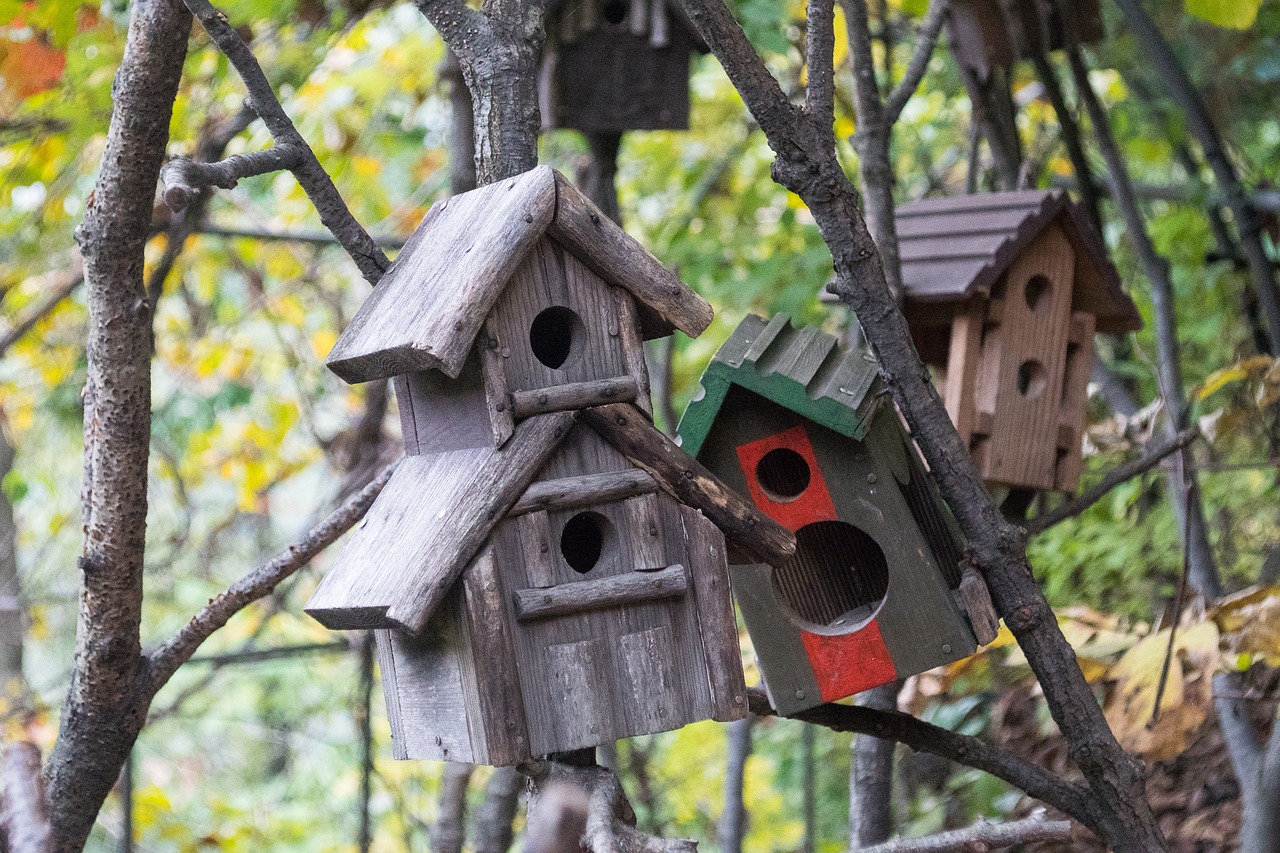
(959,246)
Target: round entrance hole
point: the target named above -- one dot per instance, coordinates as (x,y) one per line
(1032,379)
(783,474)
(837,579)
(582,541)
(1037,291)
(555,336)
(615,11)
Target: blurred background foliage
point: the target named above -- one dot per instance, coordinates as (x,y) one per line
(248,435)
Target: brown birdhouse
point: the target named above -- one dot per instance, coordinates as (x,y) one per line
(984,35)
(875,591)
(1003,294)
(617,65)
(539,565)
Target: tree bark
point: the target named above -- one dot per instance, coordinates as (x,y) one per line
(493,832)
(871,776)
(1256,762)
(105,709)
(733,817)
(450,830)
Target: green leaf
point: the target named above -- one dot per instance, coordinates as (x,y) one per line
(1236,14)
(13,486)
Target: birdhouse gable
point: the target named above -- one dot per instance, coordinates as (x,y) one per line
(802,369)
(958,247)
(430,307)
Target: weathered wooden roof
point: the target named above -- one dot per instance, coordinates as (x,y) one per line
(805,370)
(438,510)
(959,246)
(570,20)
(426,311)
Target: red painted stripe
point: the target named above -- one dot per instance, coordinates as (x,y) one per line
(849,663)
(813,504)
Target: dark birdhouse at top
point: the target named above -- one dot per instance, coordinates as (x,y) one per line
(617,65)
(541,581)
(803,427)
(984,36)
(1004,292)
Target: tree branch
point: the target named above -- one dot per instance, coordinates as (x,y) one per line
(466,31)
(1117,475)
(312,177)
(1067,797)
(165,660)
(24,812)
(982,836)
(184,177)
(926,41)
(820,93)
(72,279)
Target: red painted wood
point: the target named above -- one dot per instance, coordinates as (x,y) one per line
(849,663)
(813,504)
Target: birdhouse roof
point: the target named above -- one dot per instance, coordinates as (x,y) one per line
(428,308)
(956,247)
(439,510)
(643,18)
(804,370)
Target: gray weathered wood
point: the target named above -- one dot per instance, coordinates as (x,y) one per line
(655,699)
(620,260)
(646,538)
(581,596)
(535,548)
(439,414)
(493,661)
(717,622)
(577,395)
(632,342)
(573,671)
(571,492)
(428,308)
(975,600)
(751,531)
(497,394)
(425,528)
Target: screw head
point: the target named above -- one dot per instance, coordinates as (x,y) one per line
(946,648)
(799,694)
(871,478)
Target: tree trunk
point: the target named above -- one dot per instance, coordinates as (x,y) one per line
(733,818)
(493,833)
(106,706)
(450,830)
(871,776)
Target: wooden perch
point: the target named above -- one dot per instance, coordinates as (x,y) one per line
(571,492)
(25,812)
(578,596)
(752,532)
(574,395)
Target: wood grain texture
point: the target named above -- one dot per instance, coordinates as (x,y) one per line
(962,366)
(647,538)
(534,531)
(496,393)
(444,414)
(426,526)
(577,395)
(570,492)
(1075,400)
(975,600)
(627,429)
(632,343)
(665,301)
(428,308)
(717,623)
(581,596)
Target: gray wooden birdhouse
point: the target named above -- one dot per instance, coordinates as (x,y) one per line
(871,595)
(984,35)
(617,65)
(1003,295)
(539,565)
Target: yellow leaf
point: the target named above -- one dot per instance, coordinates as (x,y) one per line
(1250,623)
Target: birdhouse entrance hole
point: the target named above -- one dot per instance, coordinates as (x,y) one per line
(783,474)
(837,579)
(555,336)
(615,11)
(1037,289)
(582,541)
(1032,379)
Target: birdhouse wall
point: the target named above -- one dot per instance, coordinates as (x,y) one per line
(981,37)
(438,413)
(863,602)
(558,325)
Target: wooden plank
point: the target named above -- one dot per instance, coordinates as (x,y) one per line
(581,596)
(496,393)
(535,546)
(428,308)
(493,654)
(580,713)
(645,543)
(571,492)
(573,396)
(632,343)
(717,623)
(408,426)
(614,255)
(426,526)
(448,414)
(962,367)
(1075,398)
(751,531)
(656,703)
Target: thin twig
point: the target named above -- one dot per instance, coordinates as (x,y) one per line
(981,836)
(74,278)
(259,583)
(1116,476)
(184,177)
(919,63)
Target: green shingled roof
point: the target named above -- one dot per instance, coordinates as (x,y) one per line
(805,370)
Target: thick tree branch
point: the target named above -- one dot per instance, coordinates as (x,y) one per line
(69,281)
(982,836)
(311,176)
(820,93)
(166,659)
(24,812)
(184,177)
(466,31)
(1069,798)
(1117,475)
(926,41)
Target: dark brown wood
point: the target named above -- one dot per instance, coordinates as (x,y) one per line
(664,300)
(975,599)
(585,490)
(615,591)
(577,395)
(719,626)
(754,533)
